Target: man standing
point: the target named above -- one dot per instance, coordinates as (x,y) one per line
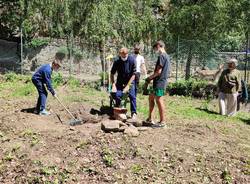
(41,78)
(159,77)
(125,68)
(228,85)
(140,64)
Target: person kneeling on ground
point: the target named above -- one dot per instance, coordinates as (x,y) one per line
(159,78)
(41,78)
(229,85)
(125,67)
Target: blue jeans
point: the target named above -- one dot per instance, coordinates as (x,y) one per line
(42,92)
(132,97)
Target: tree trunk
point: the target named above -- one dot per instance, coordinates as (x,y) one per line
(101,49)
(188,64)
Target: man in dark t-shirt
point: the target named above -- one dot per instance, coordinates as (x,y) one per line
(161,73)
(125,67)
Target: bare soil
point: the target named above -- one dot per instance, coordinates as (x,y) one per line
(37,149)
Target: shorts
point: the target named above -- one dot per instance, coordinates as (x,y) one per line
(157,92)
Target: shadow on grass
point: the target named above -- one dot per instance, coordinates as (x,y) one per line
(208,111)
(29,110)
(246,121)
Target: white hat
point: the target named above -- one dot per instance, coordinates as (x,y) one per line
(233,60)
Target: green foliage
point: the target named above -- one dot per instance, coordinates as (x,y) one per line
(136,169)
(107,157)
(186,88)
(73,82)
(36,43)
(57,79)
(226,177)
(11,77)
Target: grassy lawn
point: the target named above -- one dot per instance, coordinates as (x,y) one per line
(177,107)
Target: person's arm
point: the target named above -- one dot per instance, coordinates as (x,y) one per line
(157,72)
(144,69)
(47,76)
(239,86)
(132,78)
(112,77)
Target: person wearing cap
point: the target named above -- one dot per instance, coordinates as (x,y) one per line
(229,85)
(140,64)
(41,78)
(159,78)
(125,68)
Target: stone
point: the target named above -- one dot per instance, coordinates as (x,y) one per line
(110,125)
(123,128)
(136,122)
(120,117)
(141,129)
(131,131)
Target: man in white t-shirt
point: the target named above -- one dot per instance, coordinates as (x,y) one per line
(140,64)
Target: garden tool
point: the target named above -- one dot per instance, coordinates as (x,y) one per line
(74,121)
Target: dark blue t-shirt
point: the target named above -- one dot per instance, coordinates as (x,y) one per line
(43,75)
(125,70)
(163,61)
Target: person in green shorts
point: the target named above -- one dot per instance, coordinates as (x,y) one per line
(159,78)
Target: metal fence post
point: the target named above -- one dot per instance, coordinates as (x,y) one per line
(177,59)
(21,64)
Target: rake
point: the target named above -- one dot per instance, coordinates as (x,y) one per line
(74,121)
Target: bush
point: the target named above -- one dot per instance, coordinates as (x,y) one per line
(57,79)
(73,82)
(36,42)
(192,87)
(10,77)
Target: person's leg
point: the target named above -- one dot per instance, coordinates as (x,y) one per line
(132,97)
(222,105)
(232,104)
(43,96)
(151,100)
(38,87)
(161,107)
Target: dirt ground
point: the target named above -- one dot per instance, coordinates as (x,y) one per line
(37,149)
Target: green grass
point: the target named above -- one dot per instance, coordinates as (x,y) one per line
(177,107)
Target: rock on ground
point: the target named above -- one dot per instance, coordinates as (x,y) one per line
(111,125)
(131,131)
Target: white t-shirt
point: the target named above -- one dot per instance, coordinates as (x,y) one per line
(139,59)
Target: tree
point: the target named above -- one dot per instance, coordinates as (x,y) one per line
(196,20)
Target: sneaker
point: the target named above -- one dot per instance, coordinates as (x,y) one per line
(134,116)
(159,125)
(44,113)
(148,122)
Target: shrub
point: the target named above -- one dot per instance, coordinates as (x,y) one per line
(192,87)
(10,77)
(37,42)
(73,82)
(57,79)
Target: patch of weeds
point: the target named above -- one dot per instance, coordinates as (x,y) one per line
(15,148)
(48,170)
(57,79)
(37,162)
(2,167)
(136,169)
(82,145)
(34,140)
(28,133)
(10,77)
(226,177)
(247,168)
(24,90)
(8,157)
(107,157)
(73,82)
